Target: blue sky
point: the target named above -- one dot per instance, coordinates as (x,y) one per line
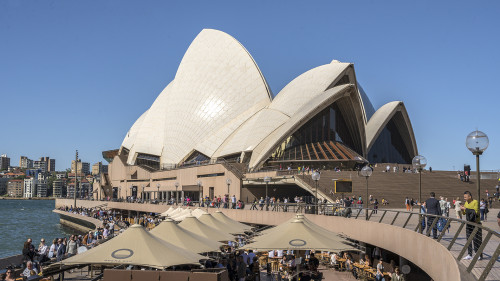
(77,74)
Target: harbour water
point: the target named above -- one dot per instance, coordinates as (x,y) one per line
(23,219)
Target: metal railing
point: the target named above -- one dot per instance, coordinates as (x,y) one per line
(458,236)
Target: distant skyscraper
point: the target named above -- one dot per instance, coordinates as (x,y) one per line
(4,162)
(25,163)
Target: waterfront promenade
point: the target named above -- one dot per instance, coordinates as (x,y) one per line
(393,230)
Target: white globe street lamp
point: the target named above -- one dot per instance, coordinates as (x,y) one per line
(477,142)
(419,162)
(366,172)
(176,194)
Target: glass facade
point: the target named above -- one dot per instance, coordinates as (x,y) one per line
(389,147)
(328,125)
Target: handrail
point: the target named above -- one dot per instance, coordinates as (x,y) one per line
(424,224)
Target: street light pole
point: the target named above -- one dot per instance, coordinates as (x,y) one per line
(316,176)
(366,172)
(158,193)
(477,142)
(228,182)
(176,195)
(419,162)
(267,180)
(199,193)
(76,179)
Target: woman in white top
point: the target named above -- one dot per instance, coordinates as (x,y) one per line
(457,208)
(53,249)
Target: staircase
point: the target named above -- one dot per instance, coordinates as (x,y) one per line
(395,187)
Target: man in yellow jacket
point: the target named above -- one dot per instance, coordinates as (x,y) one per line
(471,212)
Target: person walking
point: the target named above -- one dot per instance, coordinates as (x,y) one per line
(433,208)
(482,209)
(407,204)
(458,210)
(471,211)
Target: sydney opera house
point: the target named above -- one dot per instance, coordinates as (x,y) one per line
(218,119)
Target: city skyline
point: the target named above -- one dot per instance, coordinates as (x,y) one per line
(93,79)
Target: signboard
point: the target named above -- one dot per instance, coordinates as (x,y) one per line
(343,186)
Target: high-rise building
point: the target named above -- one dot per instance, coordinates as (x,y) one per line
(15,188)
(40,165)
(30,187)
(59,188)
(81,167)
(4,162)
(25,162)
(51,163)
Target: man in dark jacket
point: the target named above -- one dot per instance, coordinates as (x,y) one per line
(433,208)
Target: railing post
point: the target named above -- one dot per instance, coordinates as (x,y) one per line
(429,229)
(456,235)
(407,220)
(492,261)
(444,230)
(471,237)
(394,219)
(479,251)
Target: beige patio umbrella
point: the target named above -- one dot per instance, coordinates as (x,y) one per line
(136,246)
(167,212)
(182,216)
(297,235)
(182,212)
(195,226)
(175,212)
(198,212)
(218,215)
(170,232)
(308,222)
(209,220)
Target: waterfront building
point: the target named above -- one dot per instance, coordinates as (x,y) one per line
(15,188)
(25,162)
(30,184)
(41,188)
(219,109)
(4,162)
(3,185)
(59,188)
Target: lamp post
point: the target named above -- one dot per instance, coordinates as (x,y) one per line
(419,162)
(477,142)
(267,180)
(76,179)
(200,193)
(157,192)
(316,176)
(366,172)
(142,195)
(228,182)
(120,191)
(176,194)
